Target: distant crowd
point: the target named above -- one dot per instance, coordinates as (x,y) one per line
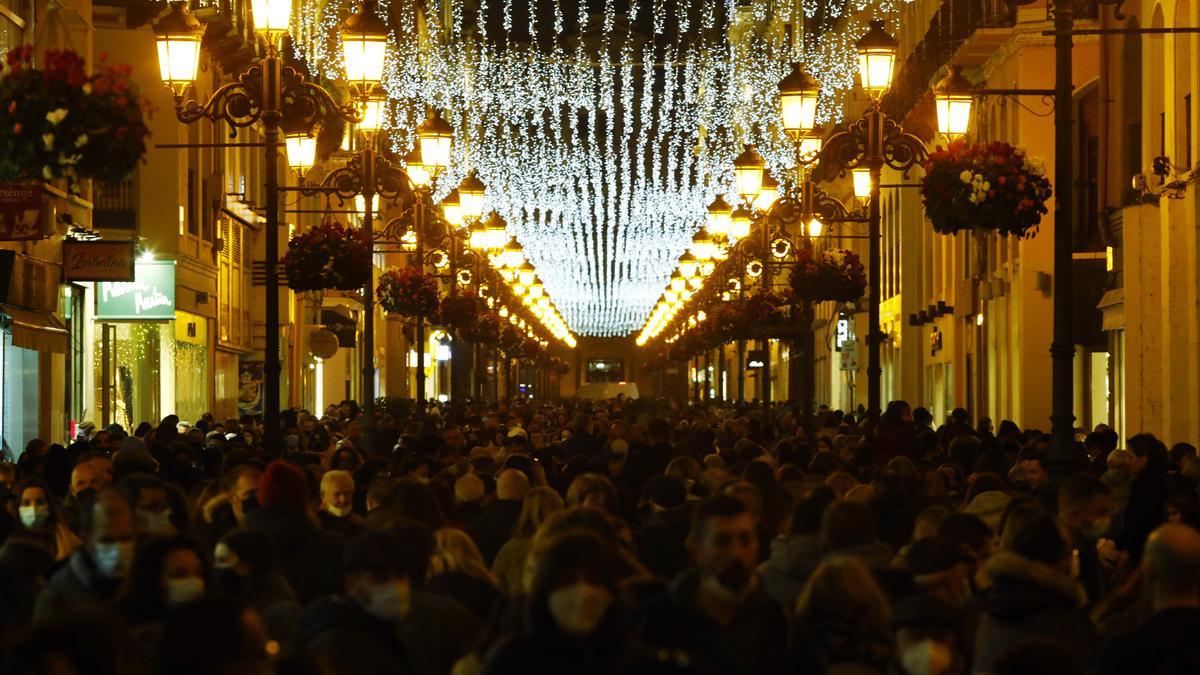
(599,538)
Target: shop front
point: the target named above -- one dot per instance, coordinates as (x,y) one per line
(33,347)
(151,359)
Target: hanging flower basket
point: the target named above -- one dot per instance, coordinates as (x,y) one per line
(458,311)
(512,340)
(329,256)
(408,292)
(758,315)
(992,186)
(485,330)
(58,122)
(834,274)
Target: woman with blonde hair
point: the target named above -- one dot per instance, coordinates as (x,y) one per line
(509,567)
(457,570)
(844,619)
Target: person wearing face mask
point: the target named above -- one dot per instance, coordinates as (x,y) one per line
(1085,509)
(928,641)
(167,573)
(718,611)
(337,500)
(94,572)
(942,568)
(573,620)
(245,568)
(37,512)
(151,509)
(227,510)
(362,621)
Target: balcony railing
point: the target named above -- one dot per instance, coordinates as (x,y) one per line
(116,204)
(949,29)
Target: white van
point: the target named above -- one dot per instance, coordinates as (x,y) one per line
(602,391)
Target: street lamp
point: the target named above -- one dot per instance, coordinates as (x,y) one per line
(688,266)
(364,42)
(748,173)
(739,224)
(452,209)
(301,152)
(177,36)
(471,192)
(876,59)
(415,167)
(862,184)
(720,216)
(768,194)
(435,135)
(256,96)
(865,147)
(953,97)
(798,94)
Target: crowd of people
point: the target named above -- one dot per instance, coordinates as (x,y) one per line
(599,537)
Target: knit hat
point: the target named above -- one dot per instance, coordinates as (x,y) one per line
(283,485)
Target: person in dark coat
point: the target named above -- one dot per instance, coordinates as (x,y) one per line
(1165,642)
(1033,595)
(1146,508)
(1085,508)
(355,632)
(573,621)
(718,612)
(491,530)
(797,553)
(246,568)
(95,571)
(309,557)
(661,543)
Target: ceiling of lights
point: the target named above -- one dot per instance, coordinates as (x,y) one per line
(601,147)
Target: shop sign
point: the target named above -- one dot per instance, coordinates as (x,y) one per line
(21,212)
(98,261)
(849,361)
(150,297)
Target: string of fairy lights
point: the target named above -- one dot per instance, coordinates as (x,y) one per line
(601,152)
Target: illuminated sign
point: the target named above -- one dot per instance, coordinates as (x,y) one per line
(149,297)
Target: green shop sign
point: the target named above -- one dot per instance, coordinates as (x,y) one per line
(149,297)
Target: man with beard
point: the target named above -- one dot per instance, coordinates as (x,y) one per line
(718,611)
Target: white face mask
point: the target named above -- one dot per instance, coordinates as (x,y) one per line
(389,601)
(155,522)
(34,516)
(113,559)
(184,590)
(338,511)
(579,608)
(927,657)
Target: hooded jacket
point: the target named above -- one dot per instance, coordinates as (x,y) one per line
(1030,599)
(793,559)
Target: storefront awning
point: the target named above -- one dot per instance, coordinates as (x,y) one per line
(36,329)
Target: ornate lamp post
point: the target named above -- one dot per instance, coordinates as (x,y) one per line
(260,95)
(870,143)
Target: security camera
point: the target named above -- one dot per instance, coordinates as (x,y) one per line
(1139,182)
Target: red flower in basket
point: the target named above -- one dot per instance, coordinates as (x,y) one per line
(985,187)
(408,292)
(834,274)
(485,330)
(329,255)
(459,310)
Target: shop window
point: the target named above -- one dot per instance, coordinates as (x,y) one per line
(606,370)
(20,401)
